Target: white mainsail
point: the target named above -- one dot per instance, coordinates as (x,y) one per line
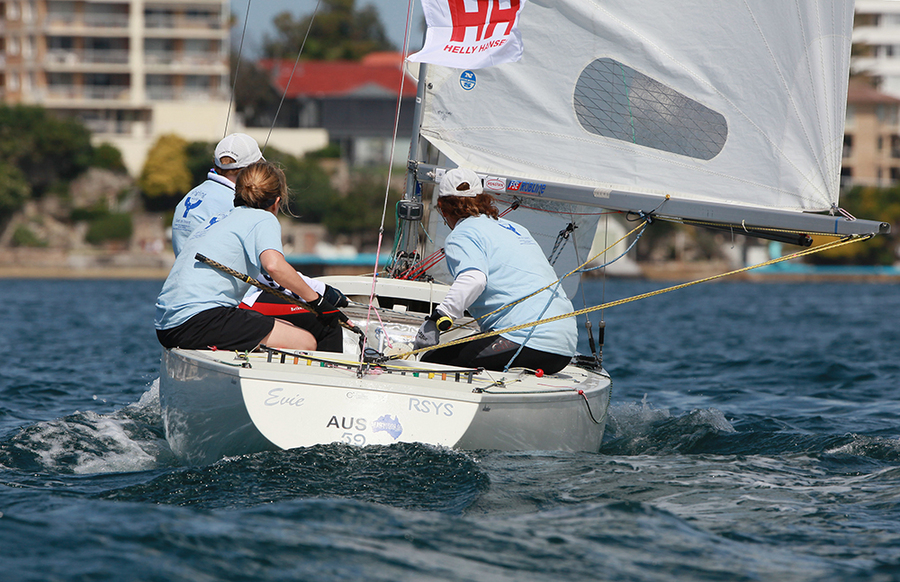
(739,104)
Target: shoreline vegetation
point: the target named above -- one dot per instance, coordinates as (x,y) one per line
(120,264)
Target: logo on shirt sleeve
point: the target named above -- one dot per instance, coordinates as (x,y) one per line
(188,206)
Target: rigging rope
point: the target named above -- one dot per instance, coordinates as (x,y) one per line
(575,270)
(387,189)
(803,253)
(291,78)
(237,67)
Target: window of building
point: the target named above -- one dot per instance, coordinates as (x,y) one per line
(159,18)
(895,146)
(846,177)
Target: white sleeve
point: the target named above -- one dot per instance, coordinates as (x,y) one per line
(317,286)
(466,288)
(254,292)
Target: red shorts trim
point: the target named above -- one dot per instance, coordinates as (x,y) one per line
(275,309)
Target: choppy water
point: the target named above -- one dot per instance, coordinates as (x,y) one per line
(753,436)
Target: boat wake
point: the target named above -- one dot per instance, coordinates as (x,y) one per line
(84,443)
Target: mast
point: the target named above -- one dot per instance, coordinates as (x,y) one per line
(410,209)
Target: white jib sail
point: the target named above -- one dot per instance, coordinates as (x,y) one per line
(738,102)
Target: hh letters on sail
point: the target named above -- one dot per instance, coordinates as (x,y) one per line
(471,35)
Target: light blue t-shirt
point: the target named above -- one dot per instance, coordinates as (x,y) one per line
(213,197)
(235,241)
(515,266)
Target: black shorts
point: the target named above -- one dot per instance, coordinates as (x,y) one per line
(329,338)
(223,328)
(494,353)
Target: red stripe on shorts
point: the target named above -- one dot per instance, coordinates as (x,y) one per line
(275,309)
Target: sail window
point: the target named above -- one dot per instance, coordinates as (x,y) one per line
(616,101)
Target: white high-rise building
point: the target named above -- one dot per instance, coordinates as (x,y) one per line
(131,70)
(876,36)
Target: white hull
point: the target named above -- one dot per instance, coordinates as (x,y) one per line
(214,408)
(215,404)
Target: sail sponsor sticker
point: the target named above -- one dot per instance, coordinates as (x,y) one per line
(467,80)
(495,184)
(526,187)
(471,34)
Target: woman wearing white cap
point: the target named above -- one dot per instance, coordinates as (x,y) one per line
(215,196)
(212,200)
(495,263)
(198,305)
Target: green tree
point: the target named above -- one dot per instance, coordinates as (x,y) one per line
(47,150)
(873,203)
(255,97)
(312,195)
(165,176)
(200,159)
(358,214)
(339,31)
(111,227)
(108,157)
(14,191)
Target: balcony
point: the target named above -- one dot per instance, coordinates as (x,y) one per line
(86,93)
(78,21)
(109,126)
(182,58)
(184,94)
(87,56)
(106,20)
(182,22)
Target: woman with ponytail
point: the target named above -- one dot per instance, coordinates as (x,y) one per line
(198,305)
(499,272)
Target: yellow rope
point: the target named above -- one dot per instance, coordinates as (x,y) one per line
(809,251)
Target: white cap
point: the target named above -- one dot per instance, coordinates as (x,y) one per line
(242,148)
(453,178)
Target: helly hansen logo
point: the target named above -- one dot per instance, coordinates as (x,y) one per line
(487,16)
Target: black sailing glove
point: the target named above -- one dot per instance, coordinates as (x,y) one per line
(327,313)
(335,297)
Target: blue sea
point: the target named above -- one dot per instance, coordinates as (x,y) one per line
(753,435)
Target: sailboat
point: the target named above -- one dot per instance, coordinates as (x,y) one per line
(728,117)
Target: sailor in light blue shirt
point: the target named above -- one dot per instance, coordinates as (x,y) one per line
(498,270)
(215,196)
(198,306)
(236,240)
(514,266)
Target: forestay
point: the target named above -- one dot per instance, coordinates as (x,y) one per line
(739,103)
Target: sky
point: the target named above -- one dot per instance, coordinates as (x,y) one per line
(392,13)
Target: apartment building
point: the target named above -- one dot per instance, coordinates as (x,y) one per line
(871,155)
(131,70)
(876,39)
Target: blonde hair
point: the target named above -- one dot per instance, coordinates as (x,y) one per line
(259,185)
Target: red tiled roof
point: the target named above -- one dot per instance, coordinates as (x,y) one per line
(860,92)
(339,78)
